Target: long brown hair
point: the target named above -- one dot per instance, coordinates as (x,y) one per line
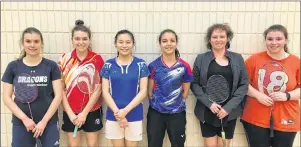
(280,28)
(79,26)
(177,53)
(29,30)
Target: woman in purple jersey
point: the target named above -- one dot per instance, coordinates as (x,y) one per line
(124,86)
(43,123)
(168,90)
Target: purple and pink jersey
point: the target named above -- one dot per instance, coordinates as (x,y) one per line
(167,94)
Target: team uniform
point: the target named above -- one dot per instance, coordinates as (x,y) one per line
(256,116)
(46,72)
(124,86)
(167,104)
(70,67)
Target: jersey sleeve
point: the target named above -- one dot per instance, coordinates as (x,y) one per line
(9,74)
(151,69)
(55,72)
(144,71)
(298,75)
(60,64)
(105,70)
(250,65)
(99,64)
(188,76)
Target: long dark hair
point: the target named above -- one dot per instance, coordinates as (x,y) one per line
(29,30)
(280,28)
(124,32)
(177,53)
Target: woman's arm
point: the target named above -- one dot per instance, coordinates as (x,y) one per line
(295,94)
(136,100)
(81,117)
(195,86)
(281,96)
(150,87)
(107,96)
(12,106)
(92,100)
(67,108)
(58,95)
(186,90)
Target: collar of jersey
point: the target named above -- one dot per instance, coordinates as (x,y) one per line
(89,56)
(127,66)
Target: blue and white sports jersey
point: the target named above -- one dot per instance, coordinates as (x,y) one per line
(124,85)
(167,94)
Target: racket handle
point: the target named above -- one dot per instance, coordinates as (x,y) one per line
(38,142)
(75,131)
(272,126)
(223,138)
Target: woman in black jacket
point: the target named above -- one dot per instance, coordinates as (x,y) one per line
(219,61)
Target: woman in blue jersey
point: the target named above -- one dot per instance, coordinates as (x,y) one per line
(43,123)
(124,85)
(168,90)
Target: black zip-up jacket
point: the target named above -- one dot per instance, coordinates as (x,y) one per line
(239,87)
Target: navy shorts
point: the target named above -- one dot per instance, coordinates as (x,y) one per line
(93,122)
(22,138)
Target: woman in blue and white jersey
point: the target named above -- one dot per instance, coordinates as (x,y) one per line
(124,85)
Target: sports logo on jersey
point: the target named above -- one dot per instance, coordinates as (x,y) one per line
(272,78)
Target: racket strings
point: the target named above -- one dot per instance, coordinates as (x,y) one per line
(272,77)
(217,89)
(25,94)
(87,81)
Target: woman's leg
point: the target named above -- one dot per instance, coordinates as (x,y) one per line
(155,128)
(176,126)
(133,133)
(229,132)
(22,138)
(51,137)
(209,132)
(257,136)
(92,139)
(115,133)
(91,128)
(282,139)
(68,127)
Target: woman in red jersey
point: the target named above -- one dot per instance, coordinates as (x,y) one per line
(80,110)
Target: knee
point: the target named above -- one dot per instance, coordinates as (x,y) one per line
(92,143)
(73,143)
(210,143)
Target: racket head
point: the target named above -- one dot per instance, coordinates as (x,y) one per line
(25,89)
(88,79)
(217,89)
(272,76)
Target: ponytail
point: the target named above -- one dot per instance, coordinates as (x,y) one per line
(177,53)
